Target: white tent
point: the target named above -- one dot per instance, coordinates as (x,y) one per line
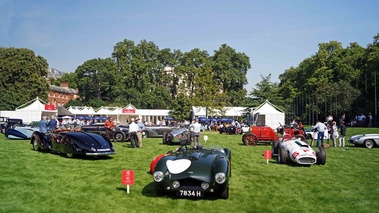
(82,110)
(31,111)
(233,112)
(269,114)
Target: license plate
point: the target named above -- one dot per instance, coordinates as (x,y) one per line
(189,193)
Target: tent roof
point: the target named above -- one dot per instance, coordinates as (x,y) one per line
(229,111)
(161,112)
(81,110)
(63,111)
(34,105)
(108,111)
(268,108)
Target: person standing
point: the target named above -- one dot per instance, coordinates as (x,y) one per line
(141,127)
(343,134)
(370,120)
(133,129)
(196,133)
(334,133)
(43,125)
(52,124)
(109,125)
(321,128)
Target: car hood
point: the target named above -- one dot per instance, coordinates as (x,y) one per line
(177,132)
(195,165)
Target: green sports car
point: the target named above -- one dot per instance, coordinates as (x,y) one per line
(193,172)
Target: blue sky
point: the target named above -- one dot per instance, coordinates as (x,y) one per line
(275,34)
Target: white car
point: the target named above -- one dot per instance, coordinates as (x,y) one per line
(296,149)
(245,128)
(311,134)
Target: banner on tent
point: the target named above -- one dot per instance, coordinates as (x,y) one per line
(49,107)
(124,110)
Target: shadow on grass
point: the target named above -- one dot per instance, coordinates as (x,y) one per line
(81,157)
(149,191)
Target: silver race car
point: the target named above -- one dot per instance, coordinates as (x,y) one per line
(296,149)
(365,140)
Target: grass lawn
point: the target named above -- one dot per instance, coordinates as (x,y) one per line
(32,181)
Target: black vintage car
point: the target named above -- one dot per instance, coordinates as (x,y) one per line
(72,143)
(8,123)
(120,133)
(193,172)
(229,129)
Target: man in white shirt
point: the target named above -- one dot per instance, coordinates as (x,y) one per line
(321,128)
(133,129)
(196,133)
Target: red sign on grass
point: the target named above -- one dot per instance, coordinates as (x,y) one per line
(267,154)
(128,177)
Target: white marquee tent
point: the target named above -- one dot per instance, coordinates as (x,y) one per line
(31,111)
(269,114)
(231,112)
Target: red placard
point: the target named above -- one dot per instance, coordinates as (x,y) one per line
(124,110)
(128,177)
(49,107)
(267,154)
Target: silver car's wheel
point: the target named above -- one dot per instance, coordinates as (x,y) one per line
(369,144)
(164,138)
(145,134)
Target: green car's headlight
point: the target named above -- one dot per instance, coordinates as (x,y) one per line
(220,178)
(158,176)
(175,184)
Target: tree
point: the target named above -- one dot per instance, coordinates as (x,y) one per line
(96,79)
(231,69)
(208,91)
(22,77)
(181,107)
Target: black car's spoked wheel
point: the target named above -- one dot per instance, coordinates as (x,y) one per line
(119,136)
(34,143)
(250,139)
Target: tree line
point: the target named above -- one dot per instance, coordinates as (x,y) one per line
(334,80)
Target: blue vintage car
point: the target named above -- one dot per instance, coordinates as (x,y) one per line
(14,128)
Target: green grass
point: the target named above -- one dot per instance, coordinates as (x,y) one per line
(32,181)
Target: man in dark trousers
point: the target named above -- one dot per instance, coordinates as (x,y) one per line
(52,124)
(109,125)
